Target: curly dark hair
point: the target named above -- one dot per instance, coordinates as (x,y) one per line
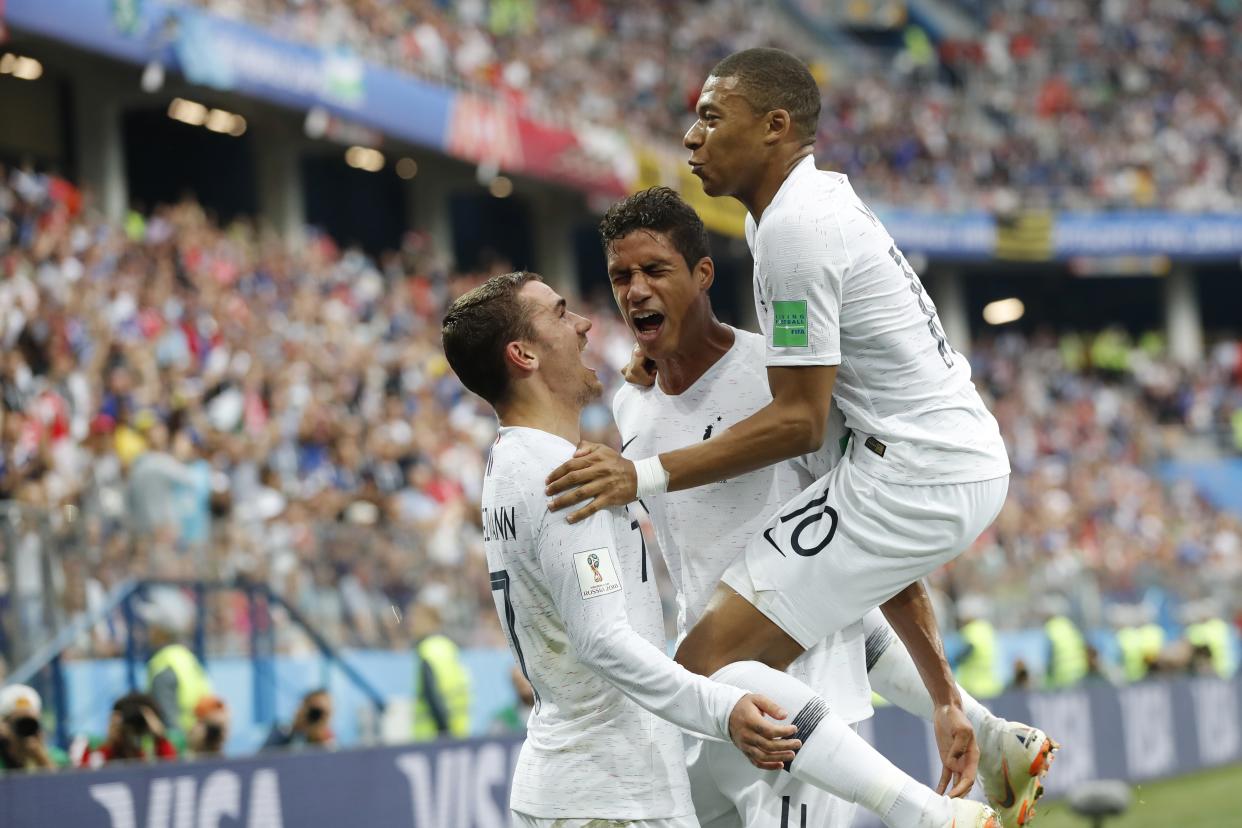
(477,328)
(774,79)
(660,210)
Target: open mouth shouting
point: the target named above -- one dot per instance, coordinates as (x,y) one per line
(647,324)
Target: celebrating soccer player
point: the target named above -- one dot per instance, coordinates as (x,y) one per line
(710,376)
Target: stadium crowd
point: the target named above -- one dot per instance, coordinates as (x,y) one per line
(1070,104)
(186,400)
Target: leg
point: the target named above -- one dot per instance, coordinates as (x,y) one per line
(1013,757)
(733,629)
(811,572)
(894,676)
(833,757)
(770,799)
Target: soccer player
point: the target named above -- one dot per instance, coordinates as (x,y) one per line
(844,316)
(711,376)
(578,603)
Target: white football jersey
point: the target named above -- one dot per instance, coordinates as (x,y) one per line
(701,531)
(831,288)
(580,608)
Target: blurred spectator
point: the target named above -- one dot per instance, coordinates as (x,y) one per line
(1208,633)
(1022,679)
(311,725)
(135,733)
(976,667)
(211,727)
(442,686)
(512,718)
(23,744)
(1067,649)
(1141,640)
(175,677)
(1099,670)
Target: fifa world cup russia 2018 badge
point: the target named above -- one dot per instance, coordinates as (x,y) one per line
(597,572)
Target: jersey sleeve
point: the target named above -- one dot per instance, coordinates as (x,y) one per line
(799,275)
(579,567)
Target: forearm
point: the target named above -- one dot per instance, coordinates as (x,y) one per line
(660,685)
(912,618)
(770,435)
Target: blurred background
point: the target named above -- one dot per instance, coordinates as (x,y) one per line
(239,483)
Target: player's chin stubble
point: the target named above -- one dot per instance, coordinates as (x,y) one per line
(592,390)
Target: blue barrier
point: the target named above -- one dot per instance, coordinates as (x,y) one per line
(93,685)
(1137,733)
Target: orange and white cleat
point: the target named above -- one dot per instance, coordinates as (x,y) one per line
(967,813)
(1013,761)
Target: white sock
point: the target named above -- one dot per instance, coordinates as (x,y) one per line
(893,675)
(835,758)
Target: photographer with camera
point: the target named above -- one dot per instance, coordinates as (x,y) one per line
(135,732)
(22,745)
(311,726)
(211,727)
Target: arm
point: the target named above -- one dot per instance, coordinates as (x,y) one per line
(791,425)
(431,692)
(800,270)
(597,624)
(912,618)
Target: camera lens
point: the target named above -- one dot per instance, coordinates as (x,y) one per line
(314,714)
(26,726)
(213,732)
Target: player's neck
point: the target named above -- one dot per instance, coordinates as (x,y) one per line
(543,411)
(703,346)
(770,183)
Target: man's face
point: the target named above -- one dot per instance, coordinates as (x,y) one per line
(726,142)
(560,338)
(654,289)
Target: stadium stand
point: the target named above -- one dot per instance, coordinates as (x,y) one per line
(247,411)
(1070,104)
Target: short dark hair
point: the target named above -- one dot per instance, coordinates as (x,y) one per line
(477,328)
(663,211)
(130,705)
(774,79)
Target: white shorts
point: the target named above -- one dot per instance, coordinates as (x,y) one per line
(730,792)
(521,820)
(850,541)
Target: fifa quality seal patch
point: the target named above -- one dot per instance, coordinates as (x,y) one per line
(790,326)
(596,573)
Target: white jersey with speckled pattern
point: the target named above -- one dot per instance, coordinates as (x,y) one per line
(832,288)
(579,606)
(701,531)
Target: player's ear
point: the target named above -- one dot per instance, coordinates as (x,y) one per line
(705,273)
(520,355)
(780,124)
